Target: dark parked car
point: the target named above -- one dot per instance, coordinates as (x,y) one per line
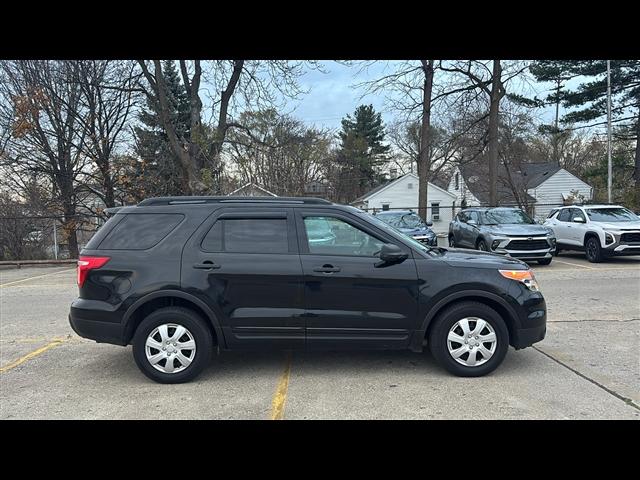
(177,276)
(507,231)
(410,223)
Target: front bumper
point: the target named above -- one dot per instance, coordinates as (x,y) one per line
(502,245)
(621,245)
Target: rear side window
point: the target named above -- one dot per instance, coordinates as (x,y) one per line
(141,231)
(247,235)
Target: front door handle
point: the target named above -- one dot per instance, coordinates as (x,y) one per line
(326,268)
(206,265)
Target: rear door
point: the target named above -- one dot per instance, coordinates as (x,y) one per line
(245,265)
(350,299)
(562,227)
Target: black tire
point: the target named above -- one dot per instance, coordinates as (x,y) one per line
(192,322)
(545,261)
(452,241)
(557,252)
(440,330)
(593,249)
(482,245)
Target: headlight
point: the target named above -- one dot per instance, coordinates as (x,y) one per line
(525,277)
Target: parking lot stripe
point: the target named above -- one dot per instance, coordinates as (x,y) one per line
(37,276)
(29,356)
(280,397)
(576,265)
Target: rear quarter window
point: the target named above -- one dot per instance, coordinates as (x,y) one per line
(141,231)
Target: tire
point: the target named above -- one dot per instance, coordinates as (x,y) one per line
(452,241)
(439,343)
(482,246)
(593,249)
(557,252)
(196,331)
(545,261)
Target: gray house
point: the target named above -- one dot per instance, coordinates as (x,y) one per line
(535,186)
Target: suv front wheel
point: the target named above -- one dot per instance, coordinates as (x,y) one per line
(469,339)
(593,250)
(172,345)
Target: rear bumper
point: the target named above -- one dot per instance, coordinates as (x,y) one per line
(99,325)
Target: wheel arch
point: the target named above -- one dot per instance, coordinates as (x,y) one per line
(487,298)
(164,298)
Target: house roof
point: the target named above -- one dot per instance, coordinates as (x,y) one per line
(251,185)
(379,188)
(530,175)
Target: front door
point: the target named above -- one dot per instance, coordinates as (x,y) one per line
(246,267)
(351,298)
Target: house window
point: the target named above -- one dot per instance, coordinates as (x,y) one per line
(385,206)
(457,181)
(435,210)
(409,186)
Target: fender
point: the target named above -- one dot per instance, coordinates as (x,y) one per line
(419,335)
(213,320)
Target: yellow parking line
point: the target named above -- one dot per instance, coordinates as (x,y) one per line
(37,276)
(29,356)
(280,397)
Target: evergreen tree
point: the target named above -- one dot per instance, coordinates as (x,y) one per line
(162,171)
(362,152)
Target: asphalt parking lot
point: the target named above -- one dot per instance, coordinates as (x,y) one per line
(588,367)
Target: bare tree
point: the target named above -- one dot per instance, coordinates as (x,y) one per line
(108,94)
(250,83)
(41,104)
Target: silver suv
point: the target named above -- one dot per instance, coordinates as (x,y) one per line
(508,231)
(600,230)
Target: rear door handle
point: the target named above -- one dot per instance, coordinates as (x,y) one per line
(206,265)
(326,269)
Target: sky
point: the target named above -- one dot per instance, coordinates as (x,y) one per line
(333,94)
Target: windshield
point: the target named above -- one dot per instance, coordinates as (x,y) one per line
(389,228)
(614,214)
(402,220)
(506,216)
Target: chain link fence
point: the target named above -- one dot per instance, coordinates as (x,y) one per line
(44,237)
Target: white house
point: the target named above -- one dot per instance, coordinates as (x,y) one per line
(402,193)
(540,186)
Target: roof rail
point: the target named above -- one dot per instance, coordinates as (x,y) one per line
(194,200)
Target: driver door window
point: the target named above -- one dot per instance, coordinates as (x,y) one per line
(577,213)
(332,236)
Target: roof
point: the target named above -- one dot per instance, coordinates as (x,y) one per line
(475,176)
(536,173)
(379,188)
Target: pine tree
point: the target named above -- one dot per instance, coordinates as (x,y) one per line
(160,169)
(362,152)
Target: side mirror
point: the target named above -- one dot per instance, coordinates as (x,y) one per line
(390,253)
(429,223)
(578,220)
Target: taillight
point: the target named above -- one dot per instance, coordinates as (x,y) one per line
(89,263)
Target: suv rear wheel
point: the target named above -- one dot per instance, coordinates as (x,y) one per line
(452,241)
(469,339)
(172,345)
(593,250)
(482,245)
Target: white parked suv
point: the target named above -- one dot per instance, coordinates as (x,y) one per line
(600,230)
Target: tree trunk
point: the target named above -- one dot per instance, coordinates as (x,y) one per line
(636,171)
(424,163)
(494,110)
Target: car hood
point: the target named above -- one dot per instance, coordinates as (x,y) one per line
(417,231)
(517,229)
(462,257)
(618,225)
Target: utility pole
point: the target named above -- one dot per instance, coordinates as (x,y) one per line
(609,130)
(55,240)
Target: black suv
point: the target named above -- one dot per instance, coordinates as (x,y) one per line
(176,276)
